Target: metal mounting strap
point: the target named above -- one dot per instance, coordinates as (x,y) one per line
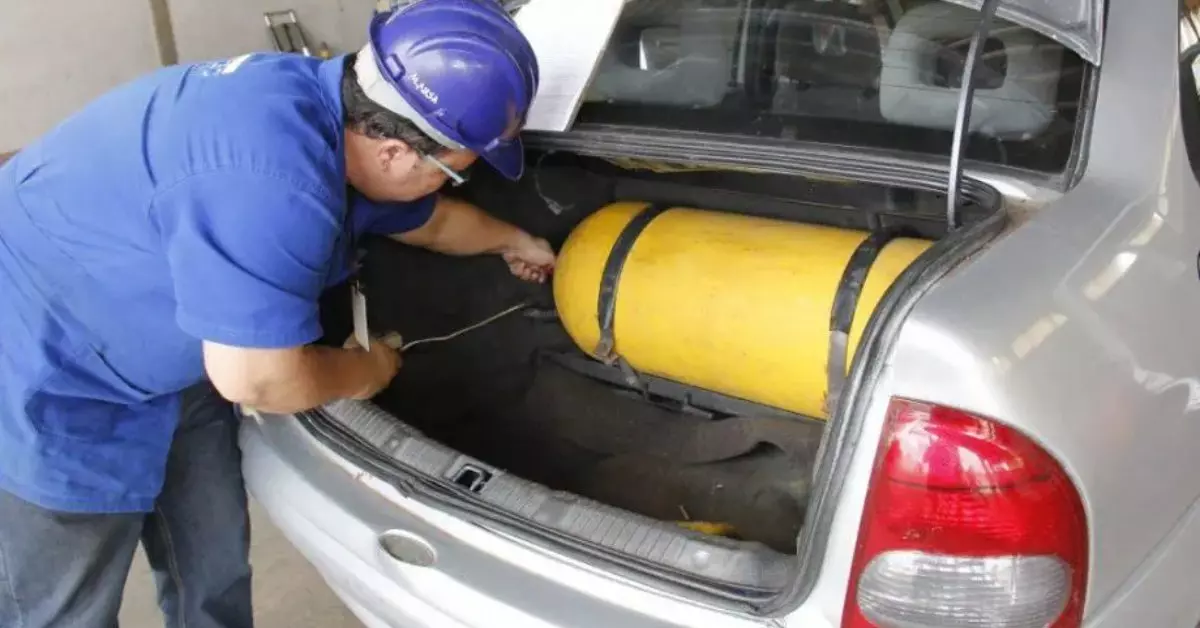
(607,302)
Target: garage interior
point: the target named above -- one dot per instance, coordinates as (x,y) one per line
(131,37)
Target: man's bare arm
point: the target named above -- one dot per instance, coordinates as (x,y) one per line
(459,228)
(290,380)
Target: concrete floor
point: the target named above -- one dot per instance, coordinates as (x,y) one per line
(288,593)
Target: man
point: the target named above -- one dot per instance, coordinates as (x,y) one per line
(179,230)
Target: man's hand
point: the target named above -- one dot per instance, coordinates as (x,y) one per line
(529,258)
(459,228)
(384,364)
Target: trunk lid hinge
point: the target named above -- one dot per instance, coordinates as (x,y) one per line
(966,100)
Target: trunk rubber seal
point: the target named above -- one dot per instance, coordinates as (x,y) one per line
(845,305)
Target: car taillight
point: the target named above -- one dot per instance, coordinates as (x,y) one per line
(967,522)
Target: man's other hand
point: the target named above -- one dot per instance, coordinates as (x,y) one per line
(384,365)
(289,380)
(530,258)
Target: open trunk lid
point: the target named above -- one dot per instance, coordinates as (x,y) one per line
(1076,24)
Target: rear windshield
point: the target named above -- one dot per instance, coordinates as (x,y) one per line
(878,73)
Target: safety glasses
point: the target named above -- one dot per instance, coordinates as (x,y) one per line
(456,178)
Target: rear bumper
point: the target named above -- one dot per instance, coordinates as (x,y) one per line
(331,522)
(335,515)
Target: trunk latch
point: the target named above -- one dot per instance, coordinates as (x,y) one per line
(472,477)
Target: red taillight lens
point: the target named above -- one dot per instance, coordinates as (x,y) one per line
(967,523)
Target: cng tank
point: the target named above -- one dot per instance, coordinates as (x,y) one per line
(734,304)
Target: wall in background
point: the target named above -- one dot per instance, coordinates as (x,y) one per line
(57,55)
(211,29)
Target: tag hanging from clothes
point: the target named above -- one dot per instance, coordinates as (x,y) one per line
(358,305)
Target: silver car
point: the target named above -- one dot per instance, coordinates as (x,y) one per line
(868,314)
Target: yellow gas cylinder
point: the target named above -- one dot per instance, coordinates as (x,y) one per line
(729,303)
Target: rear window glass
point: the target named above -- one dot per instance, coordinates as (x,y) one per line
(878,73)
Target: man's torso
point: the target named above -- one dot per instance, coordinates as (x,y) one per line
(90,351)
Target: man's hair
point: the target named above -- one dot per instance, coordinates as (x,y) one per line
(363,116)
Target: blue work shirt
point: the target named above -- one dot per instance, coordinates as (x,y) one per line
(200,202)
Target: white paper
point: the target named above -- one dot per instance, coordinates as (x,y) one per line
(358,307)
(569,38)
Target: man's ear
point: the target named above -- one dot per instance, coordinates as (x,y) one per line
(396,157)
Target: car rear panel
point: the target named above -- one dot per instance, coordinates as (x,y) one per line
(1078,328)
(335,514)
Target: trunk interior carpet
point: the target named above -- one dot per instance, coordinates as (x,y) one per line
(493,394)
(575,434)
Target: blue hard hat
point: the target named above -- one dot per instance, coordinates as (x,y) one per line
(460,70)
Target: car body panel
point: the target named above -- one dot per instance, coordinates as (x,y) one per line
(335,513)
(1162,592)
(1077,326)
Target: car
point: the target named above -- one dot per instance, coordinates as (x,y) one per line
(866,314)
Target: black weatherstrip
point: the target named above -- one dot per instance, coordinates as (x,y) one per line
(845,302)
(607,303)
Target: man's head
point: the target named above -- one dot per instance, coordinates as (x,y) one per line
(439,83)
(387,156)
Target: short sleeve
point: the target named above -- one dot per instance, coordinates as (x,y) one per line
(248,256)
(372,217)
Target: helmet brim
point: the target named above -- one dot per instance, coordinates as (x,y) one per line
(508,159)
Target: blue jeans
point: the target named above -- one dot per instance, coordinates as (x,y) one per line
(69,570)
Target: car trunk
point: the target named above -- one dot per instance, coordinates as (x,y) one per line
(519,398)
